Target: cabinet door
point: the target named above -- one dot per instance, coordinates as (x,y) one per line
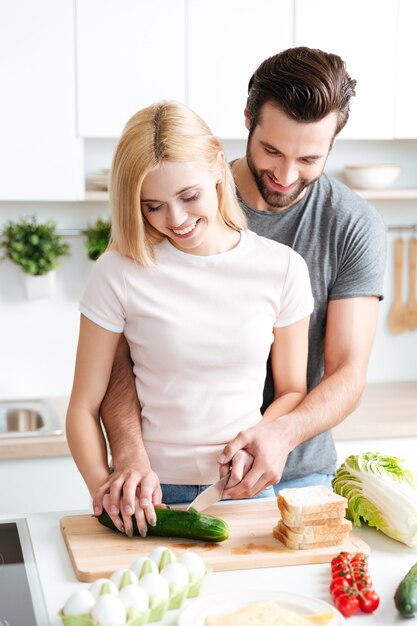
(130,53)
(227,40)
(40,155)
(405,86)
(364,35)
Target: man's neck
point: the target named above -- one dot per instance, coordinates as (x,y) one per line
(249,191)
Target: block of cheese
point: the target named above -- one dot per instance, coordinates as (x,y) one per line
(267,614)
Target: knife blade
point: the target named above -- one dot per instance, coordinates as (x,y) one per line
(209,496)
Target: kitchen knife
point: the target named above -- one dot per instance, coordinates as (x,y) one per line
(209,496)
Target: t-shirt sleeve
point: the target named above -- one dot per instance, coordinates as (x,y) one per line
(296,297)
(104,298)
(362,265)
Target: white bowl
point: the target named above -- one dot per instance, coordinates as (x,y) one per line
(378,176)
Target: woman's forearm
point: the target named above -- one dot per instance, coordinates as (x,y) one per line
(88,447)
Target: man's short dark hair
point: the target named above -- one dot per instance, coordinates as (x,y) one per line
(305,83)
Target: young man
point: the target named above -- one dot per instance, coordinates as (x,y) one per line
(298,102)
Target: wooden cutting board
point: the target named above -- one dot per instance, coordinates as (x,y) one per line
(97,551)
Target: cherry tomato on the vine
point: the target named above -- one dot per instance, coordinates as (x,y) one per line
(369,601)
(341,583)
(347,604)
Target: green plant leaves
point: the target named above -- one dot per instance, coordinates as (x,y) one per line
(34,246)
(98,236)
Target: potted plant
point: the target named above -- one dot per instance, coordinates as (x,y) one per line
(97,238)
(35,247)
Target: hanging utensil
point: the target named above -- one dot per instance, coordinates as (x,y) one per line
(397,319)
(412,300)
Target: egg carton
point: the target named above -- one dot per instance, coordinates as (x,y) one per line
(157,575)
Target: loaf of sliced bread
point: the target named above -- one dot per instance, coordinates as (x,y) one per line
(311,517)
(311,501)
(306,545)
(315,533)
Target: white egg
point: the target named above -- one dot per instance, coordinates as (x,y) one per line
(193,562)
(155,585)
(156,555)
(123,577)
(109,610)
(143,565)
(79,603)
(134,596)
(175,574)
(96,586)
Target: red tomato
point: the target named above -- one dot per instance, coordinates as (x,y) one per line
(363,585)
(359,556)
(345,555)
(369,601)
(357,576)
(347,604)
(338,560)
(338,583)
(343,574)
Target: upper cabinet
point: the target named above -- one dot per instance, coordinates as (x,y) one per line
(364,35)
(130,53)
(405,83)
(41,157)
(227,40)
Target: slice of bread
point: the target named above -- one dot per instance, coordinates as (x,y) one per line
(305,545)
(302,501)
(315,533)
(332,518)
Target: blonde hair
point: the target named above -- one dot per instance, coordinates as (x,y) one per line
(163,131)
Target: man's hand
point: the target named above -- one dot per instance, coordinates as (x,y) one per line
(130,492)
(269,448)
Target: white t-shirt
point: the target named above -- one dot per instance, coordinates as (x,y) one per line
(200,330)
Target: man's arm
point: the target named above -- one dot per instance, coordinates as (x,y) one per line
(121,417)
(350,332)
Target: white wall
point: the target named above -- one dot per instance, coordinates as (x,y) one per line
(38,339)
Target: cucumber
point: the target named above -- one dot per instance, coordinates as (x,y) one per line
(179,523)
(405,597)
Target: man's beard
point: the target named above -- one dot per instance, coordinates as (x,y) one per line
(276,199)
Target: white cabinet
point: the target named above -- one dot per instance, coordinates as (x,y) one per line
(41,157)
(227,40)
(364,35)
(41,484)
(405,84)
(130,53)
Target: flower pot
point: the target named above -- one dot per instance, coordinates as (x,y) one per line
(37,287)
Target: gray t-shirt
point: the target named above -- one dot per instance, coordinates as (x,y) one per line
(342,239)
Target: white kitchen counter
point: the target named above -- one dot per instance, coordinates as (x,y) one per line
(389,561)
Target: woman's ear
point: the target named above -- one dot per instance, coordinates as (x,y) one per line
(221,160)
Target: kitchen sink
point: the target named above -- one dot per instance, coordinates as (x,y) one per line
(28,418)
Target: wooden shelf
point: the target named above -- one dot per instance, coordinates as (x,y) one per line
(369,194)
(387,194)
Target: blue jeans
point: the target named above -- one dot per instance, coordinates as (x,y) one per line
(306,481)
(176,494)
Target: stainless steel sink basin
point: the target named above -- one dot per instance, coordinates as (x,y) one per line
(28,418)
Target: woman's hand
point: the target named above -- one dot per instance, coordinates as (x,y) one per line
(268,445)
(129,491)
(238,466)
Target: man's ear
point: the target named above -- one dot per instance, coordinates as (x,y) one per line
(247,119)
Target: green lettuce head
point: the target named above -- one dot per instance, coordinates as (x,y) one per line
(382,492)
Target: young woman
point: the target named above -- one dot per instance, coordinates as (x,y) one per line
(201,300)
